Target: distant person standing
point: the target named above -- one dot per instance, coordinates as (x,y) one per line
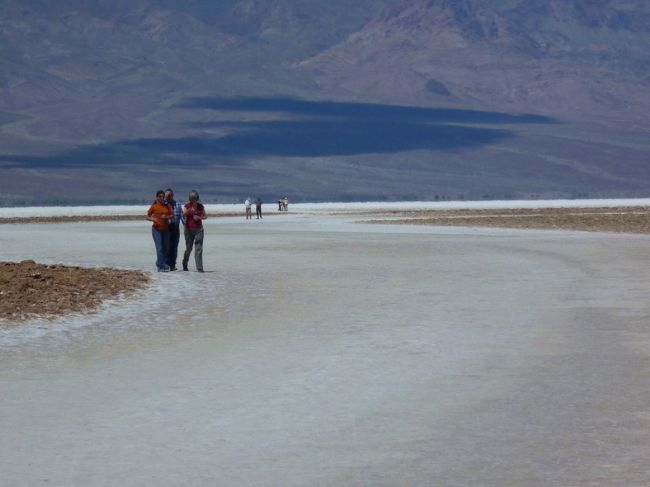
(174,228)
(258,208)
(249,213)
(160,214)
(194,214)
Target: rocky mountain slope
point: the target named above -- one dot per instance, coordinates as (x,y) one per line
(575,59)
(86,71)
(372,99)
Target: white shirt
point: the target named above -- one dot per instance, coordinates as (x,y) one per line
(247,203)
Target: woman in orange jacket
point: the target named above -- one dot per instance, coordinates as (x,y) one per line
(159,214)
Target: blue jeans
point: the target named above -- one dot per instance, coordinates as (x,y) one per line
(161,240)
(172,250)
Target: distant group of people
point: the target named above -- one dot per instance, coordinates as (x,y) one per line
(283,204)
(167,216)
(258,208)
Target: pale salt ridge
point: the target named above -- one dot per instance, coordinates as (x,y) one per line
(471,205)
(270,206)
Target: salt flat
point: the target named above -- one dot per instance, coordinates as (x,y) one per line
(107,210)
(322,352)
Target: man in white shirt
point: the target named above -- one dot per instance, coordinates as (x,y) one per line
(249,213)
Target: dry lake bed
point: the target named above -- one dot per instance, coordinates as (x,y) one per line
(320,351)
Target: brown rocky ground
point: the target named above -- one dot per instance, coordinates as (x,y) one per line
(621,219)
(93,218)
(28,289)
(69,219)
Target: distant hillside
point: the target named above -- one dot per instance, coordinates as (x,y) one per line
(374,99)
(75,71)
(575,59)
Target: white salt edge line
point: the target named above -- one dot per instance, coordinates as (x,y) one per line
(52,211)
(111,313)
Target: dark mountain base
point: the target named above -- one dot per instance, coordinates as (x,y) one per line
(337,151)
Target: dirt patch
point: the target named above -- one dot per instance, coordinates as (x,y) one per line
(620,220)
(28,289)
(69,219)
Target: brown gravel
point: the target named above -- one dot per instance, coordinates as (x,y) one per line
(620,220)
(69,219)
(28,289)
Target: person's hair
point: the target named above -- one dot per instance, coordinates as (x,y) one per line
(160,192)
(194,194)
(169,190)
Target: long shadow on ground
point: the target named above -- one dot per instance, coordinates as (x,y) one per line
(307,129)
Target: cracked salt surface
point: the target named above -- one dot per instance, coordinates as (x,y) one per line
(321,352)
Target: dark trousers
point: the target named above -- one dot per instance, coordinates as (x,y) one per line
(258,211)
(194,239)
(172,251)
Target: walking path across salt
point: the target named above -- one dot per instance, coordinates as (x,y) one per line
(321,352)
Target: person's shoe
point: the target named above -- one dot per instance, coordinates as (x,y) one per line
(172,268)
(164,269)
(185,268)
(200,270)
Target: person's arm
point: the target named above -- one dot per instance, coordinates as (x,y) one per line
(150,216)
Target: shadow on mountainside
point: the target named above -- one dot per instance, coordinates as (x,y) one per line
(306,129)
(359,111)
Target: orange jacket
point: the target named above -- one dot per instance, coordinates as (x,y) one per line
(157,210)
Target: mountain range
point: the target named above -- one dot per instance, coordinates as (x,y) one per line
(105,101)
(575,59)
